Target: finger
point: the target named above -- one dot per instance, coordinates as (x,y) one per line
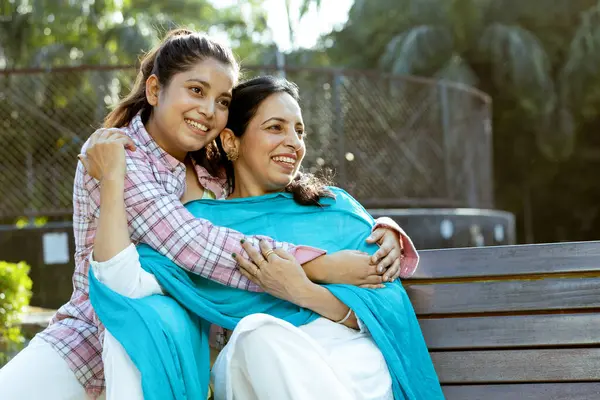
(247,266)
(109,133)
(373,280)
(376,235)
(120,136)
(105,134)
(368,286)
(126,142)
(383,251)
(255,256)
(130,145)
(388,260)
(285,255)
(250,277)
(84,161)
(93,139)
(393,272)
(265,248)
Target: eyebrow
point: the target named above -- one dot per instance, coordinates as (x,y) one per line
(280,120)
(200,81)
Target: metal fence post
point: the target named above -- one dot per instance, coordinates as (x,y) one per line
(338,128)
(445,119)
(30,182)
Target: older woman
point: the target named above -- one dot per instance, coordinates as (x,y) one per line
(298,340)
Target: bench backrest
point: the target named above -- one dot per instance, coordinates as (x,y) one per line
(512,322)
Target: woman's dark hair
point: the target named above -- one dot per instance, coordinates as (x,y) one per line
(178,52)
(306,188)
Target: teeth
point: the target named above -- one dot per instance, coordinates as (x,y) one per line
(196,125)
(288,160)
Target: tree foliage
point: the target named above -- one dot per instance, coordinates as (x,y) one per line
(540,61)
(43,33)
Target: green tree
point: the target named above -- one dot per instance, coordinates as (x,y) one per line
(45,33)
(539,60)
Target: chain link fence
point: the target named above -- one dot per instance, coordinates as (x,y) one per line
(391,141)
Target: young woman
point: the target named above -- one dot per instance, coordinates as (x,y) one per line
(278,350)
(178,104)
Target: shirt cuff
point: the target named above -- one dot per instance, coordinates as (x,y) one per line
(410,260)
(304,254)
(128,254)
(124,274)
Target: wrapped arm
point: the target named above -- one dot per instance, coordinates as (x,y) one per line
(157,218)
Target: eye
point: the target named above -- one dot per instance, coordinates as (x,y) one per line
(274,128)
(301,132)
(197,90)
(225,102)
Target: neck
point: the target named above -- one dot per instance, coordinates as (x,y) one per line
(154,130)
(245,185)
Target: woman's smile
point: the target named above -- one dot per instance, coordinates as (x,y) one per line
(286,161)
(197,126)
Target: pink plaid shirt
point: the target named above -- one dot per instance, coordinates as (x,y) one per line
(155,182)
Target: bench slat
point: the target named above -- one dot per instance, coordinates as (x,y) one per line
(509,260)
(546,365)
(540,391)
(505,296)
(512,331)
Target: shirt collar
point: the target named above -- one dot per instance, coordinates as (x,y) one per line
(139,130)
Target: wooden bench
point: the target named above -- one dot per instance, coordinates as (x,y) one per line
(512,322)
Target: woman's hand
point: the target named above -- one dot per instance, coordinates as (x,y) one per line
(105,155)
(276,271)
(348,267)
(390,254)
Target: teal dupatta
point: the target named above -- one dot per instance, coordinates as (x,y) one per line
(167,336)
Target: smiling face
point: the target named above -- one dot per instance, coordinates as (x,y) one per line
(192,109)
(271,149)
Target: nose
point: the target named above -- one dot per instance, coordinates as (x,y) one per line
(293,140)
(207,107)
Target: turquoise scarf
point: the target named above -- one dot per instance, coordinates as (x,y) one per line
(167,337)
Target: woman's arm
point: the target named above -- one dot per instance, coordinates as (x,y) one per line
(158,218)
(114,260)
(112,235)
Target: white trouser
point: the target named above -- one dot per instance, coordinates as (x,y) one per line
(123,379)
(39,372)
(268,358)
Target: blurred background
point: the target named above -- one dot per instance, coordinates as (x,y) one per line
(471,122)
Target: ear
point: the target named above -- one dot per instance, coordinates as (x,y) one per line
(152,90)
(229,140)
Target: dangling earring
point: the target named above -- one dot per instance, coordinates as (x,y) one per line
(232,155)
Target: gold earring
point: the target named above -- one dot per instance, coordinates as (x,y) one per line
(232,155)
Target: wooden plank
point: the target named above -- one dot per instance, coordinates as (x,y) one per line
(512,366)
(539,391)
(505,296)
(509,260)
(512,331)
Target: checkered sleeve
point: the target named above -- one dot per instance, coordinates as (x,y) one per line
(158,218)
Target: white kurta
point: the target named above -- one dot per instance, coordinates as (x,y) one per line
(265,358)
